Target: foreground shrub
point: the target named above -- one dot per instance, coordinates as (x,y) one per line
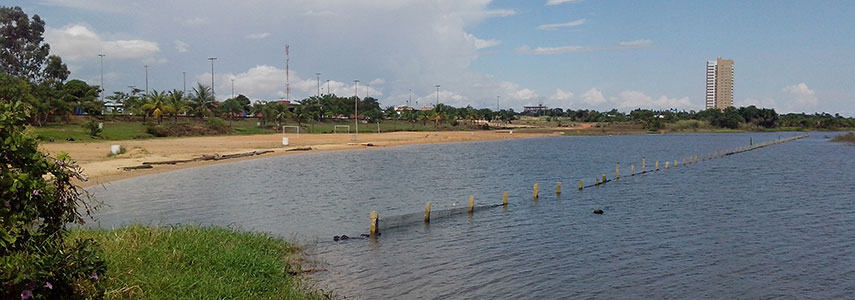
(38,200)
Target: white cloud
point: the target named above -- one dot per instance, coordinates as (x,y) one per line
(78,43)
(180,46)
(481,44)
(558,2)
(576,49)
(378,81)
(593,97)
(258,36)
(561,95)
(561,25)
(635,99)
(499,13)
(802,95)
(267,83)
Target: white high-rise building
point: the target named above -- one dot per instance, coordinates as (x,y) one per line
(719,84)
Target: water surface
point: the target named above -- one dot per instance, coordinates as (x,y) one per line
(775,222)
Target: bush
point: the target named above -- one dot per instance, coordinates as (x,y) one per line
(39,199)
(94,128)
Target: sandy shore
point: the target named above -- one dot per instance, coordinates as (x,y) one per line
(94,159)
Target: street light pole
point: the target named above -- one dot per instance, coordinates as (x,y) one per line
(356,105)
(102,76)
(437,96)
(319,87)
(410,100)
(146,79)
(497,103)
(184,74)
(328,87)
(233,87)
(214,94)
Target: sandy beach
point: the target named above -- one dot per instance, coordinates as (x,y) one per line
(101,168)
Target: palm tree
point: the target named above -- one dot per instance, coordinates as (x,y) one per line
(178,103)
(157,104)
(202,100)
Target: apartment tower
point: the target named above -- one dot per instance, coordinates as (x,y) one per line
(719,84)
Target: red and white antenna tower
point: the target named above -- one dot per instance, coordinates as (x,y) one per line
(287,75)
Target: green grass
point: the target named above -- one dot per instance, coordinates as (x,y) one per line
(847,138)
(190,262)
(113,130)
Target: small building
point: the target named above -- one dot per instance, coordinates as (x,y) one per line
(535,109)
(110,107)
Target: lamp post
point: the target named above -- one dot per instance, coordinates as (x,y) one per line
(146,79)
(102,76)
(437,96)
(214,94)
(233,87)
(328,87)
(318,74)
(184,74)
(356,105)
(497,103)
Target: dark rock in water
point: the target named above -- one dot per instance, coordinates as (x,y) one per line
(598,211)
(335,238)
(365,235)
(344,237)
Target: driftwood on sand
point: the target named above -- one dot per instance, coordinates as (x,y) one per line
(151,164)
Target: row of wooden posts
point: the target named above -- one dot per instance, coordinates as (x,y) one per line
(375,217)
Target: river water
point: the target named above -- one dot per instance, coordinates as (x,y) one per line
(776,222)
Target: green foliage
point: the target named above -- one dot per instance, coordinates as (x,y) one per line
(92,126)
(198,263)
(22,48)
(39,199)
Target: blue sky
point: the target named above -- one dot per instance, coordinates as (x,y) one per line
(794,56)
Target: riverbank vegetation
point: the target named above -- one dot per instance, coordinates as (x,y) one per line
(845,138)
(196,262)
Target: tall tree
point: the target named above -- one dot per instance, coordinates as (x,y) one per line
(22,49)
(202,100)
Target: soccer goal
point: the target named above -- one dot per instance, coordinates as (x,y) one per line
(285,131)
(335,128)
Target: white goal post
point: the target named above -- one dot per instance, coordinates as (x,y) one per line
(335,128)
(297,129)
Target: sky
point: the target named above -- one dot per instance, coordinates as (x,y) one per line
(793,56)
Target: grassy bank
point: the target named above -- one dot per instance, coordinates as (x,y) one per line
(846,138)
(196,262)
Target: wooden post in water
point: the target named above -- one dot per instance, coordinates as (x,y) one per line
(374,218)
(684,161)
(675,163)
(696,159)
(643,165)
(657,166)
(666,164)
(597,182)
(505,199)
(617,171)
(471,203)
(536,190)
(604,178)
(558,188)
(631,170)
(580,184)
(427,212)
